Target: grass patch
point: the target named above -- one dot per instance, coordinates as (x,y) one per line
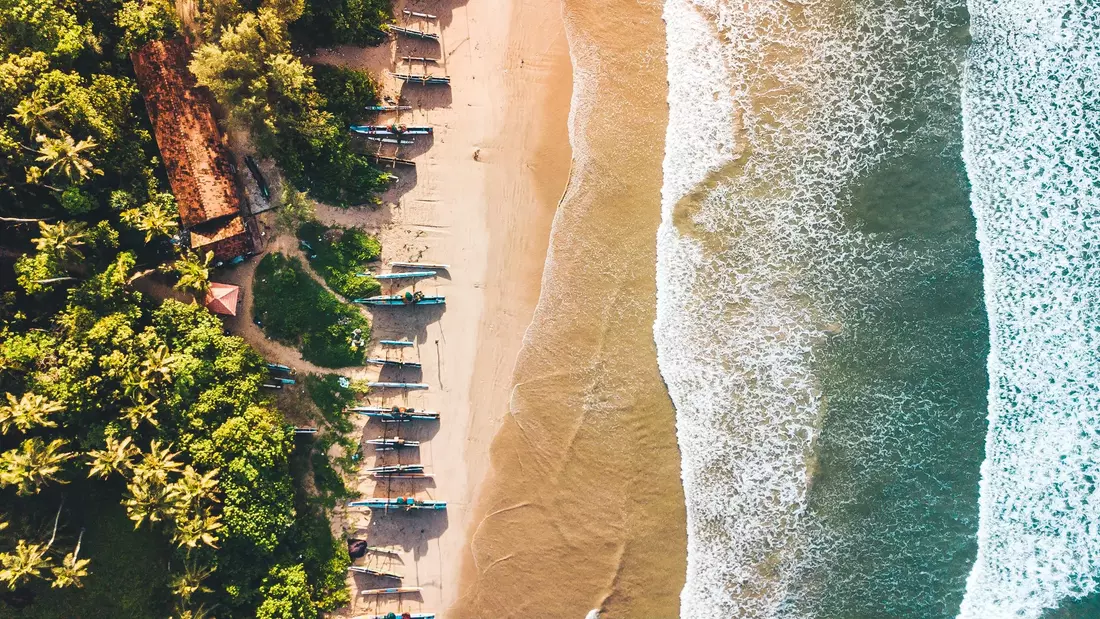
(294,309)
(341,254)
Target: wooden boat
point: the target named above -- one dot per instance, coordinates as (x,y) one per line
(270,386)
(390,141)
(392,161)
(280,367)
(427,80)
(403,475)
(400,343)
(305,430)
(392,385)
(415,14)
(418,59)
(398,468)
(421,265)
(400,616)
(405,275)
(399,503)
(389,363)
(416,34)
(394,128)
(394,413)
(388,108)
(390,591)
(388,133)
(283,381)
(373,572)
(392,442)
(395,300)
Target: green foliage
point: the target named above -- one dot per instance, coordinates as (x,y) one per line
(295,207)
(346,92)
(145,20)
(342,22)
(50,26)
(76,201)
(331,399)
(341,255)
(295,309)
(286,594)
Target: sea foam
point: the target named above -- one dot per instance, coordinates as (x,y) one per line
(1031,96)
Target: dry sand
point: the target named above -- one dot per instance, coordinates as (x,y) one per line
(481,199)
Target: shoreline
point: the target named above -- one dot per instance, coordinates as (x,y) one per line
(481,198)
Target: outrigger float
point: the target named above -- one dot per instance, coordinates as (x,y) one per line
(399,503)
(404,275)
(421,265)
(395,300)
(391,385)
(398,468)
(390,591)
(389,363)
(373,572)
(392,443)
(390,141)
(418,59)
(398,343)
(393,162)
(416,34)
(305,430)
(427,80)
(423,15)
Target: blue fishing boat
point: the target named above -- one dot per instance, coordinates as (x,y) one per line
(398,300)
(421,265)
(395,413)
(403,616)
(390,591)
(399,503)
(373,572)
(398,343)
(388,108)
(390,385)
(392,442)
(425,80)
(280,367)
(389,363)
(405,275)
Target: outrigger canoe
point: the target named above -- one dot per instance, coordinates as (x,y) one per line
(399,415)
(398,468)
(392,442)
(390,140)
(399,503)
(280,367)
(404,275)
(420,265)
(388,385)
(427,80)
(394,364)
(403,475)
(390,591)
(388,108)
(399,300)
(401,616)
(401,343)
(373,572)
(416,34)
(394,128)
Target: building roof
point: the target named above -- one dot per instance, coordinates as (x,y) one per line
(222,298)
(227,238)
(198,164)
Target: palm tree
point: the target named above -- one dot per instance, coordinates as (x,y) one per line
(158,364)
(194,272)
(33,113)
(115,458)
(26,562)
(32,465)
(61,239)
(197,528)
(156,217)
(72,568)
(67,156)
(187,584)
(27,412)
(140,411)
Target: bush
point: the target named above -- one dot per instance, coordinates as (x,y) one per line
(341,254)
(342,22)
(346,91)
(293,308)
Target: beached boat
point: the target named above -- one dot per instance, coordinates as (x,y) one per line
(400,616)
(391,161)
(388,108)
(398,468)
(405,275)
(428,80)
(398,300)
(390,591)
(388,133)
(392,442)
(395,128)
(390,363)
(283,381)
(398,343)
(421,265)
(280,367)
(416,34)
(415,14)
(399,503)
(418,59)
(373,572)
(394,414)
(393,385)
(392,476)
(271,386)
(305,430)
(390,140)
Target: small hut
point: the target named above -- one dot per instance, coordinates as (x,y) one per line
(223,298)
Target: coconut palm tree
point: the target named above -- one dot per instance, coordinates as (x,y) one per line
(158,365)
(155,217)
(114,458)
(66,156)
(61,239)
(187,584)
(33,464)
(72,568)
(34,114)
(194,272)
(140,411)
(27,561)
(29,411)
(197,528)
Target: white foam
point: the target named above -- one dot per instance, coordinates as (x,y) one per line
(1032,156)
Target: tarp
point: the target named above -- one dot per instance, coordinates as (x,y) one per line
(222,298)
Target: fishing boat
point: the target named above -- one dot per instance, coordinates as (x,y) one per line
(395,128)
(280,367)
(398,468)
(284,381)
(400,616)
(373,572)
(387,415)
(387,132)
(392,385)
(405,275)
(271,386)
(305,430)
(415,14)
(398,343)
(399,503)
(388,108)
(429,80)
(421,265)
(392,161)
(391,476)
(390,140)
(389,363)
(418,59)
(392,442)
(395,300)
(416,34)
(390,591)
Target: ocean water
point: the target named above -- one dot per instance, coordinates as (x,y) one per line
(1032,115)
(821,321)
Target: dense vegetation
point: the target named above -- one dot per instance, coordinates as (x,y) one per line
(143,471)
(342,22)
(248,65)
(294,309)
(341,256)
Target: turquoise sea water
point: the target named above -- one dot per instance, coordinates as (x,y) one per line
(822,313)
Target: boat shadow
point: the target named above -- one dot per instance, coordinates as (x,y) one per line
(409,530)
(422,431)
(406,322)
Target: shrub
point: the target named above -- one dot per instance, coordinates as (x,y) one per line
(346,91)
(341,255)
